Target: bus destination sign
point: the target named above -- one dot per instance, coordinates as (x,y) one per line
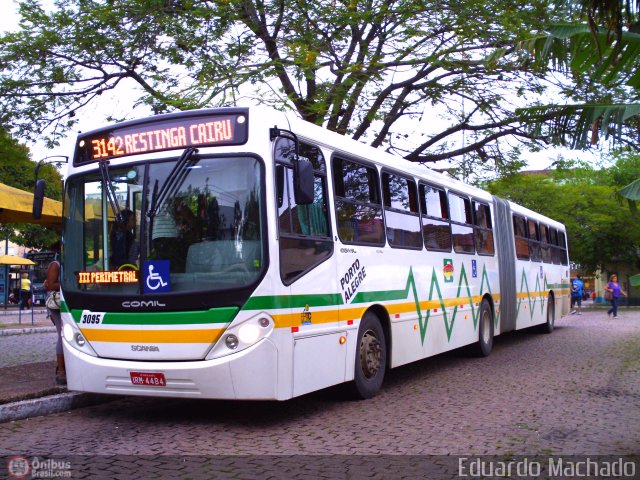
(156,136)
(106,277)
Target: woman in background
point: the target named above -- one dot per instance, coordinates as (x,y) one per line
(614,288)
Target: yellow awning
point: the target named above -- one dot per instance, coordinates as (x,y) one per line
(15,260)
(16,206)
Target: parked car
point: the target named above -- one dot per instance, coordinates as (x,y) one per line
(39,294)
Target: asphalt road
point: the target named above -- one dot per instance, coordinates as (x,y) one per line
(574,392)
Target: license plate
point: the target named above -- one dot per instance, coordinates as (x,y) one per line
(148,379)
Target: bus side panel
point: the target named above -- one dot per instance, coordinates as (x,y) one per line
(432,300)
(319,357)
(536,282)
(531,302)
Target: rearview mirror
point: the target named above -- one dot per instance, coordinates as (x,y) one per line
(38,198)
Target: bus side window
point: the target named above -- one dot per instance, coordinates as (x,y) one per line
(436,228)
(483,229)
(562,240)
(520,237)
(534,241)
(358,206)
(545,240)
(461,224)
(555,250)
(401,211)
(304,229)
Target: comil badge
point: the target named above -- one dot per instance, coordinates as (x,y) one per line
(447,270)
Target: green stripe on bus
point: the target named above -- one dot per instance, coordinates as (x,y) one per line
(215,315)
(269,302)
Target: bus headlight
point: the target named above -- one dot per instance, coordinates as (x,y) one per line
(67,331)
(74,337)
(243,335)
(249,333)
(71,336)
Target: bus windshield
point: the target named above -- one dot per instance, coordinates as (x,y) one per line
(204,227)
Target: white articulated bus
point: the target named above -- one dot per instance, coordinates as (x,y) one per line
(243,253)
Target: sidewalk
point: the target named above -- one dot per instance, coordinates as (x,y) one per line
(11,318)
(28,380)
(30,389)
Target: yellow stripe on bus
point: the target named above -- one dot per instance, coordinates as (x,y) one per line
(526,295)
(287,320)
(152,336)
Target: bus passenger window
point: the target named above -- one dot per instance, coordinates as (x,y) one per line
(534,241)
(545,240)
(520,237)
(461,224)
(482,229)
(555,251)
(358,208)
(562,240)
(436,229)
(401,211)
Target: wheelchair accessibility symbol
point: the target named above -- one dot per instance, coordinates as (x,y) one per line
(156,276)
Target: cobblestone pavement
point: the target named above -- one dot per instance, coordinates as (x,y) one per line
(574,392)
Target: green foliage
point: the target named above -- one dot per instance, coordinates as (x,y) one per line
(601,231)
(371,69)
(600,50)
(17,170)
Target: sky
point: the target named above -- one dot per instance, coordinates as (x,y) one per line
(93,116)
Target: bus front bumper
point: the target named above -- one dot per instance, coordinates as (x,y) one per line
(250,374)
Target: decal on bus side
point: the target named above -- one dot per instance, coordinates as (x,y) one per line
(352,279)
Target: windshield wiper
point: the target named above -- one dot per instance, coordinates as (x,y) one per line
(111,194)
(173,181)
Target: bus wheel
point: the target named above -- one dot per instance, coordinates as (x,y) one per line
(371,357)
(485,330)
(548,326)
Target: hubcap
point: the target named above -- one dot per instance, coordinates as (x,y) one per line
(370,354)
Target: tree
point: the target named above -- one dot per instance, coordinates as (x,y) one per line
(602,52)
(600,231)
(428,81)
(17,170)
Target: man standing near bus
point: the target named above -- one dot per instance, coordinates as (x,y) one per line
(577,289)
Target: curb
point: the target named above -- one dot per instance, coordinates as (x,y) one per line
(21,331)
(51,404)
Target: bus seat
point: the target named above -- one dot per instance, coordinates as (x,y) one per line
(217,255)
(211,256)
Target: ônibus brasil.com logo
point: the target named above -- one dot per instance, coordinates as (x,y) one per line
(23,467)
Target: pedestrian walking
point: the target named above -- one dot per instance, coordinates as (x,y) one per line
(53,307)
(612,293)
(577,291)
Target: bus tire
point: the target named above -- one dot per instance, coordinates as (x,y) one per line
(485,330)
(371,357)
(549,325)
